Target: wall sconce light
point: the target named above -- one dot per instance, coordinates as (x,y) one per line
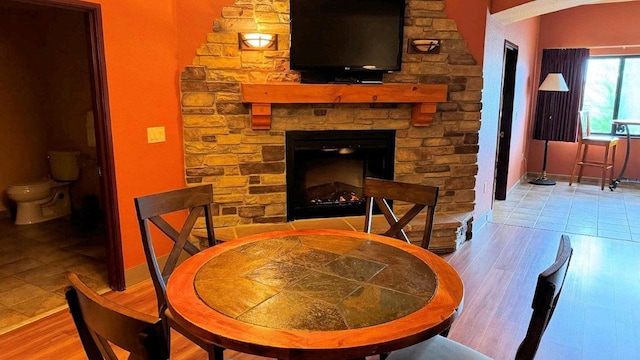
(423,46)
(257,41)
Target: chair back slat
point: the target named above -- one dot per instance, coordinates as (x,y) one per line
(397,227)
(174,234)
(101,322)
(545,299)
(152,209)
(381,192)
(585,128)
(174,200)
(411,193)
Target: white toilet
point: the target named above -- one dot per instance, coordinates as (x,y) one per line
(47,199)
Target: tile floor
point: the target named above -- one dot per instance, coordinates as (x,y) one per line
(34,261)
(578,209)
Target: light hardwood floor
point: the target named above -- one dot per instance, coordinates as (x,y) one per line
(596,318)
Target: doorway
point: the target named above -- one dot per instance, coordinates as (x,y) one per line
(510,61)
(99,133)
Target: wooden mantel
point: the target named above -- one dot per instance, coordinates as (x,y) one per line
(424,97)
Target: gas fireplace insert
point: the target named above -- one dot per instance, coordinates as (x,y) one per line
(326,170)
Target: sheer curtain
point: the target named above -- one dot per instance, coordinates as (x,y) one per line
(557,112)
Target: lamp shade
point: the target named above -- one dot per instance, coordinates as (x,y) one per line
(554,82)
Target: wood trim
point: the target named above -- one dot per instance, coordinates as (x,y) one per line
(260,116)
(261,96)
(422,114)
(115,262)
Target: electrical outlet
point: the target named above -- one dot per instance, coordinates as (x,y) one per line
(155,134)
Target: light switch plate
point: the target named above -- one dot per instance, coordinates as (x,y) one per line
(155,134)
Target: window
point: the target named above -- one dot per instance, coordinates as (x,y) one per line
(612,91)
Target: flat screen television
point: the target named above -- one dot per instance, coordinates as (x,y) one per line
(346,40)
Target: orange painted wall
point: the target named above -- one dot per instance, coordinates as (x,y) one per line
(608,27)
(146,46)
(195,20)
(140,50)
(524,35)
(592,26)
(471,17)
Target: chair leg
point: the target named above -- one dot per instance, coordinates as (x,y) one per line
(605,165)
(575,163)
(614,148)
(217,353)
(584,158)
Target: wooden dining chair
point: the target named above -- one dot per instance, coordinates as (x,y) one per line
(545,299)
(101,322)
(586,139)
(383,192)
(152,210)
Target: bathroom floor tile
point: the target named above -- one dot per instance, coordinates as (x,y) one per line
(53,255)
(10,256)
(21,265)
(40,304)
(10,317)
(19,294)
(10,282)
(34,274)
(34,262)
(52,282)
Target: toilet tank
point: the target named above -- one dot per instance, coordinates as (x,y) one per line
(64,165)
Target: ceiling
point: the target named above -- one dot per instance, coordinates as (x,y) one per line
(540,7)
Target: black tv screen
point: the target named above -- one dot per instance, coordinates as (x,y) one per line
(346,35)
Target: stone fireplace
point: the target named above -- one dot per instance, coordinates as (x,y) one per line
(248,167)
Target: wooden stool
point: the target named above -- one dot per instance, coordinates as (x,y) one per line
(585,139)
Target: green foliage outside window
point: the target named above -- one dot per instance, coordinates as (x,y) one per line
(601,97)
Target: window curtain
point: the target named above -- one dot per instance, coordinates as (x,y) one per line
(557,112)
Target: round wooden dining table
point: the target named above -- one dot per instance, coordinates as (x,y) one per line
(315,294)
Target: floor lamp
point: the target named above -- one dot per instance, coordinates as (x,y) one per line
(553,82)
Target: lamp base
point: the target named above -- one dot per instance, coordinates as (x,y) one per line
(542,181)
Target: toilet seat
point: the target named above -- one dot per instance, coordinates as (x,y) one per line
(42,185)
(40,200)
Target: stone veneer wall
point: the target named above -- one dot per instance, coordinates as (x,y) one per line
(247,168)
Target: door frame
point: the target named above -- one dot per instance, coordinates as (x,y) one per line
(104,143)
(505,120)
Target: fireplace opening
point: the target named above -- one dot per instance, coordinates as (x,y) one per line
(326,170)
